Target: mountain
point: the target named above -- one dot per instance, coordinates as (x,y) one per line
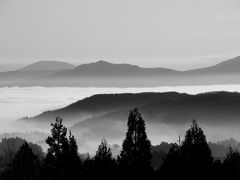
(103,68)
(31,74)
(220,109)
(102,104)
(105,74)
(48,66)
(229,66)
(167,115)
(170,107)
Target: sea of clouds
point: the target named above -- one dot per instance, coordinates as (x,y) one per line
(18,102)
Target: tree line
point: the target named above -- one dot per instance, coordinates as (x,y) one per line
(187,159)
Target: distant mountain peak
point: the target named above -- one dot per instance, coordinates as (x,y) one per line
(228,66)
(102,62)
(104,65)
(231,66)
(233,60)
(46,65)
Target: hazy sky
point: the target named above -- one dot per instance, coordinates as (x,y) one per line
(179,34)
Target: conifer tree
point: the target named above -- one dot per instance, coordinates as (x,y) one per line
(62,158)
(104,165)
(73,148)
(232,164)
(25,165)
(195,151)
(72,162)
(58,142)
(136,154)
(74,159)
(171,168)
(103,155)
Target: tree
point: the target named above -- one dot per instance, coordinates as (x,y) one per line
(171,168)
(136,154)
(72,160)
(195,151)
(232,164)
(103,155)
(58,142)
(62,158)
(25,165)
(73,151)
(73,148)
(104,166)
(10,146)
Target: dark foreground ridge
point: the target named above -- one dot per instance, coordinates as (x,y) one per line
(190,158)
(169,107)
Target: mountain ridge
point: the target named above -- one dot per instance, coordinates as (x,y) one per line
(231,65)
(106,74)
(46,65)
(106,115)
(170,106)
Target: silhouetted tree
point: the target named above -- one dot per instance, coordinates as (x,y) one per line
(62,158)
(73,148)
(135,156)
(171,168)
(196,152)
(72,161)
(103,155)
(88,162)
(25,165)
(88,167)
(104,165)
(232,164)
(10,146)
(191,159)
(58,142)
(218,170)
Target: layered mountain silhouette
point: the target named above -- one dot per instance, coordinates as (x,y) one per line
(103,68)
(31,74)
(170,108)
(229,66)
(53,66)
(106,115)
(105,74)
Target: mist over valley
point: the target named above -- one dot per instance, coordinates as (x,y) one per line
(96,113)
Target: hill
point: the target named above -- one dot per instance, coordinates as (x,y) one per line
(31,74)
(167,115)
(48,66)
(228,66)
(169,107)
(102,104)
(105,74)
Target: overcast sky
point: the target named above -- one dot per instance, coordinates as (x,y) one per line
(179,34)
